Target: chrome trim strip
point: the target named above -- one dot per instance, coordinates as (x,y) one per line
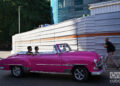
(50,72)
(50,64)
(60,64)
(14,64)
(67,64)
(80,64)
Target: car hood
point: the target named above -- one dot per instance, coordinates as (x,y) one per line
(83,54)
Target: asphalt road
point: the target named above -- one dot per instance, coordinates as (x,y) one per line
(39,79)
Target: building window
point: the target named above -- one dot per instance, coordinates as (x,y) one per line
(62,3)
(78,2)
(78,8)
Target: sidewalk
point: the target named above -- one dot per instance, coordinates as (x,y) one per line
(4,54)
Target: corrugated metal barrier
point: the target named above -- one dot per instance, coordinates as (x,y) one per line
(83,34)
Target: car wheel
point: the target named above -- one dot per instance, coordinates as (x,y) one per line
(80,73)
(17,71)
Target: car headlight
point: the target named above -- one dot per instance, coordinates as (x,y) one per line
(98,63)
(95,67)
(101,57)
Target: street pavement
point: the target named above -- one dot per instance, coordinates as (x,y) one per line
(4,54)
(40,79)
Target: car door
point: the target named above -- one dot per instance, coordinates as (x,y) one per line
(46,62)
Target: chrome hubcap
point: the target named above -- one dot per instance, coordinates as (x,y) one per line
(16,71)
(79,74)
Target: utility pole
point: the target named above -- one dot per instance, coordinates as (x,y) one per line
(19,18)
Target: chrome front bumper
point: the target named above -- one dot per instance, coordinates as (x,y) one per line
(98,64)
(98,72)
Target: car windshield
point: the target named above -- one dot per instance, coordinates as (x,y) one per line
(22,52)
(64,47)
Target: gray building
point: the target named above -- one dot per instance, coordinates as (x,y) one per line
(62,10)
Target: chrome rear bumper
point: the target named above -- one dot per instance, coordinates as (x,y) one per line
(1,68)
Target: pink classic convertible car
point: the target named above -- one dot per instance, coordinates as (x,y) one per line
(80,64)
